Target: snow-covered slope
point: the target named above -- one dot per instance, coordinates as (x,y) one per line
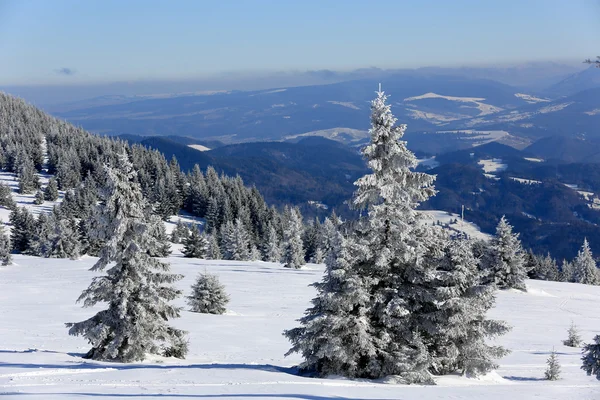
(240,355)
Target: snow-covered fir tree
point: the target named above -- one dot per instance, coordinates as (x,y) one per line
(566,272)
(5,246)
(213,251)
(137,288)
(63,240)
(456,329)
(396,292)
(584,266)
(23,229)
(27,175)
(159,232)
(552,372)
(272,247)
(507,258)
(591,358)
(208,295)
(6,199)
(180,232)
(235,242)
(255,253)
(545,268)
(335,336)
(573,338)
(196,244)
(39,198)
(293,251)
(51,190)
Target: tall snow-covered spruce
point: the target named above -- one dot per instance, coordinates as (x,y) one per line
(137,287)
(508,258)
(398,298)
(293,250)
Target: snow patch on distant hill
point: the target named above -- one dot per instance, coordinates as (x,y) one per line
(428,162)
(344,135)
(478,138)
(198,147)
(492,165)
(447,218)
(531,99)
(554,108)
(347,104)
(484,109)
(533,159)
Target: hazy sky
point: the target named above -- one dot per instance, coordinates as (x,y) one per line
(76,41)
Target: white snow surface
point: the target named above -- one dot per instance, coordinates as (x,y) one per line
(492,165)
(533,159)
(531,99)
(239,355)
(26,200)
(467,227)
(429,162)
(198,147)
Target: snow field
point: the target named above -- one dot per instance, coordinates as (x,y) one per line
(239,355)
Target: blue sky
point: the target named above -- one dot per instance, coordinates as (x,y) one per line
(87,41)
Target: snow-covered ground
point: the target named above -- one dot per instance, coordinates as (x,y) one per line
(26,200)
(239,355)
(198,147)
(533,159)
(429,162)
(531,99)
(447,218)
(492,166)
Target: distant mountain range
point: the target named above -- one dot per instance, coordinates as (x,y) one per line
(459,107)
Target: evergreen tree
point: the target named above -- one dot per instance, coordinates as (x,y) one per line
(293,251)
(159,233)
(335,335)
(40,244)
(51,190)
(403,292)
(553,371)
(508,262)
(28,179)
(545,269)
(566,272)
(180,233)
(208,295)
(39,198)
(272,249)
(395,246)
(6,199)
(137,287)
(64,240)
(456,328)
(574,339)
(235,241)
(584,266)
(212,215)
(213,251)
(23,229)
(591,358)
(5,247)
(196,244)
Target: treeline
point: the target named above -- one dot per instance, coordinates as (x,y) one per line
(237,217)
